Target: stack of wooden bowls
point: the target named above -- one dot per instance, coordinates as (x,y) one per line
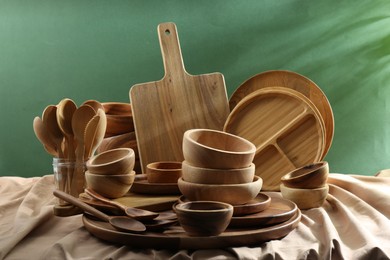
(120,130)
(306,186)
(111,173)
(218,166)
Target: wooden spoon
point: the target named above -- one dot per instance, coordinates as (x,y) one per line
(65,111)
(80,120)
(49,119)
(44,137)
(122,223)
(99,133)
(96,105)
(136,213)
(89,136)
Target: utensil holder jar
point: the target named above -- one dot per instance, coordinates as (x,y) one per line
(69,177)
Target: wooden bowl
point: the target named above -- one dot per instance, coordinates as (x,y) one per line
(203,218)
(127,140)
(229,193)
(163,172)
(307,177)
(115,161)
(305,198)
(119,118)
(110,186)
(217,176)
(216,149)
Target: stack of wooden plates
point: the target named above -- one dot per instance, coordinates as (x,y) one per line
(287,117)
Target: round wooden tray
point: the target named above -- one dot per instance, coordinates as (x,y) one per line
(174,237)
(295,81)
(285,127)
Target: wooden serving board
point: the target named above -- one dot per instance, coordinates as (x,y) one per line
(163,110)
(285,128)
(297,82)
(175,238)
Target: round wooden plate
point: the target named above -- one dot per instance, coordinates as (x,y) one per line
(295,81)
(285,128)
(141,185)
(174,237)
(278,211)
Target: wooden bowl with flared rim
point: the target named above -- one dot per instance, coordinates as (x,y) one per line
(217,149)
(229,193)
(309,176)
(163,172)
(217,176)
(203,218)
(305,198)
(119,118)
(127,140)
(110,186)
(112,162)
(117,108)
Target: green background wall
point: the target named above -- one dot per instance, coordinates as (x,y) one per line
(98,49)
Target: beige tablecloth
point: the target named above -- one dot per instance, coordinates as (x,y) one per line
(352,224)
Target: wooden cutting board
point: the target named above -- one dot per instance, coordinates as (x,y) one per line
(285,127)
(163,110)
(297,82)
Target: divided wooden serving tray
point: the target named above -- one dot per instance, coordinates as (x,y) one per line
(285,127)
(294,81)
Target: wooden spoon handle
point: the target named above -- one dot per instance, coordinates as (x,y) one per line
(80,204)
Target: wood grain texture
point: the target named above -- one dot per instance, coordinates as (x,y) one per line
(284,127)
(163,110)
(295,81)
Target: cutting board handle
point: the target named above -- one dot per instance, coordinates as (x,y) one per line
(170,49)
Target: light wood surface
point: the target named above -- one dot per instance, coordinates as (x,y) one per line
(163,110)
(286,130)
(297,82)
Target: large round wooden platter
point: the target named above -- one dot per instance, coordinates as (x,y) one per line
(297,82)
(285,127)
(174,237)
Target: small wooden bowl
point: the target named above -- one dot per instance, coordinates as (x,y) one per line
(217,176)
(163,172)
(307,177)
(115,161)
(305,198)
(203,218)
(110,186)
(216,149)
(119,118)
(229,193)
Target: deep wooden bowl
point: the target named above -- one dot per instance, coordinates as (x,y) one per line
(229,193)
(217,176)
(127,140)
(110,186)
(112,162)
(203,218)
(163,172)
(307,177)
(216,149)
(305,198)
(119,118)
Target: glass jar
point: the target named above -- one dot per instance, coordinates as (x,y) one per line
(69,177)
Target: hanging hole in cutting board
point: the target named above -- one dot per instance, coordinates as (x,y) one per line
(167,32)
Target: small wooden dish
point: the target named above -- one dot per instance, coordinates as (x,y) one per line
(203,218)
(310,176)
(217,176)
(163,172)
(110,186)
(142,186)
(116,161)
(229,193)
(305,198)
(258,204)
(216,149)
